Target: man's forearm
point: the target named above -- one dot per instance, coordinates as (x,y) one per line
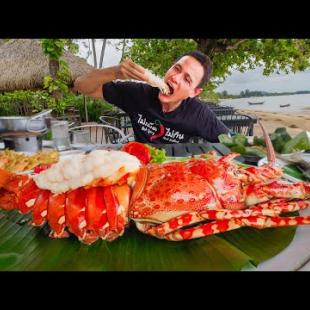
(89,82)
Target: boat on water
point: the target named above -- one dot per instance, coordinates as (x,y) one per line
(253,103)
(284,105)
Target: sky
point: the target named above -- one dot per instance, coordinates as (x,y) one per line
(235,83)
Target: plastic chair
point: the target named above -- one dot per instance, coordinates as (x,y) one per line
(103,134)
(223,110)
(121,121)
(110,120)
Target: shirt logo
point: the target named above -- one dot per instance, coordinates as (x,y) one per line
(156,130)
(160,133)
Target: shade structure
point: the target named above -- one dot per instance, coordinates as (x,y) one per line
(23,65)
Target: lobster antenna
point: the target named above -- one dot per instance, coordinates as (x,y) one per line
(271,156)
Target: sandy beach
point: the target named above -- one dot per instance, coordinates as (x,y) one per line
(294,122)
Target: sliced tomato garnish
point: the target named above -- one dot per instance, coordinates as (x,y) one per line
(40,168)
(140,150)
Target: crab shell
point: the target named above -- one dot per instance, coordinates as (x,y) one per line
(166,191)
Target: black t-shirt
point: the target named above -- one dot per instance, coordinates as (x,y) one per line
(151,125)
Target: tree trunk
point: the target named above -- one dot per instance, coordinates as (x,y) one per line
(104,43)
(212,46)
(94,52)
(53,69)
(207,46)
(123,49)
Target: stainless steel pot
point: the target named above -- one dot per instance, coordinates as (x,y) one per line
(30,144)
(35,123)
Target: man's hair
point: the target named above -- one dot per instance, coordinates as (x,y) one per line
(206,63)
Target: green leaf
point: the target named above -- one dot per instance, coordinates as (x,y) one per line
(23,247)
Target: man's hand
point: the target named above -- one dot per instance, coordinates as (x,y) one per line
(130,70)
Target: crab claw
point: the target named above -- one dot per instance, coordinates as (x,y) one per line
(271,156)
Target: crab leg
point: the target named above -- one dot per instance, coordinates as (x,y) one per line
(257,193)
(221,226)
(272,208)
(271,155)
(281,205)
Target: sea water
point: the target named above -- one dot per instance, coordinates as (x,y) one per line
(298,103)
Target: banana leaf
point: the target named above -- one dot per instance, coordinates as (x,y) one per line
(26,248)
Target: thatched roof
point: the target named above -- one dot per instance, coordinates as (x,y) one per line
(23,65)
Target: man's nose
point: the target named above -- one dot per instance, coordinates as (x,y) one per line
(176,78)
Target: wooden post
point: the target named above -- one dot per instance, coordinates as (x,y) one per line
(85,107)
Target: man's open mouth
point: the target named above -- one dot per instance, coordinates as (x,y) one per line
(171,90)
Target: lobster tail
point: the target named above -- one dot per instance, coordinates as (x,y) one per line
(89,214)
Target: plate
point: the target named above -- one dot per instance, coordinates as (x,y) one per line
(304,155)
(279,163)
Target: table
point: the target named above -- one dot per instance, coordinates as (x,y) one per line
(189,149)
(296,257)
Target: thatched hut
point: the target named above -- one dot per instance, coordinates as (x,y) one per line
(23,65)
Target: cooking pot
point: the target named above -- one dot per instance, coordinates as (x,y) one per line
(31,144)
(35,123)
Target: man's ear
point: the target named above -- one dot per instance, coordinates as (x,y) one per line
(197,91)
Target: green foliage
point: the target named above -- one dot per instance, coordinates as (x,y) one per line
(298,143)
(14,103)
(54,49)
(159,54)
(34,102)
(95,107)
(274,55)
(27,248)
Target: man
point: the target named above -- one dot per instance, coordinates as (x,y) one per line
(157,117)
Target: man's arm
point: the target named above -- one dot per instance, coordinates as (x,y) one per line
(90,84)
